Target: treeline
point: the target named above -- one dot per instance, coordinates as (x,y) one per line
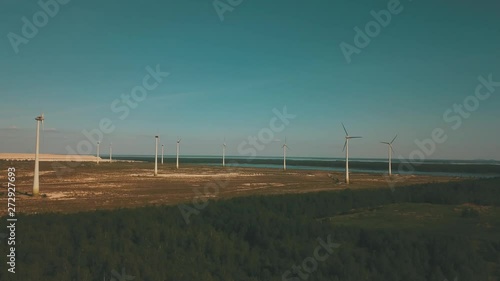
(255,238)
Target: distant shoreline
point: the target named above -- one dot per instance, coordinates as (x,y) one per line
(48,157)
(451,168)
(334,164)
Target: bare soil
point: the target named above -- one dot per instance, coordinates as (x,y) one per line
(87,186)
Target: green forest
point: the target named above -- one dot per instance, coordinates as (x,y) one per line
(432,232)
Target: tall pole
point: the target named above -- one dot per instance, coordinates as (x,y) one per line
(98,143)
(36,186)
(224,155)
(347,162)
(284,157)
(177,161)
(110,152)
(162,150)
(390,156)
(156,156)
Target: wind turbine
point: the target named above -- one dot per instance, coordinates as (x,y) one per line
(156,156)
(36,185)
(389,144)
(285,147)
(98,143)
(177,161)
(346,148)
(162,150)
(224,153)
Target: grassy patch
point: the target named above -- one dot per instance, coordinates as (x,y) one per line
(465,219)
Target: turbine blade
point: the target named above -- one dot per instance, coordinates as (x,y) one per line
(355,137)
(345,143)
(391,148)
(344,129)
(394,139)
(384,142)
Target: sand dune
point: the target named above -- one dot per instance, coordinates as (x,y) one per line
(47,157)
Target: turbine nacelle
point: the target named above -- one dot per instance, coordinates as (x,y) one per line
(284,145)
(390,143)
(347,137)
(40,118)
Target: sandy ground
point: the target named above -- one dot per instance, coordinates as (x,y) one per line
(47,157)
(87,186)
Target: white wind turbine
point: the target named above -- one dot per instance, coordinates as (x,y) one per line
(346,148)
(285,147)
(178,144)
(162,151)
(389,144)
(224,153)
(156,156)
(36,185)
(98,143)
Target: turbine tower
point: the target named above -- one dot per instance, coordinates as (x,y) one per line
(110,152)
(178,144)
(36,185)
(156,156)
(389,144)
(162,150)
(346,148)
(285,147)
(224,153)
(98,143)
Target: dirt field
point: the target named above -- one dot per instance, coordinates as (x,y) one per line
(88,186)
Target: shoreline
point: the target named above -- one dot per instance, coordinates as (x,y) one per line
(48,157)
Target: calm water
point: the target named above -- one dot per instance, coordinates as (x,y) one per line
(454,168)
(335,169)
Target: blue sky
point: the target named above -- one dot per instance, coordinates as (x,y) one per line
(226,77)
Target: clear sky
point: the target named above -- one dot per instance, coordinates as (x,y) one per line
(226,77)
